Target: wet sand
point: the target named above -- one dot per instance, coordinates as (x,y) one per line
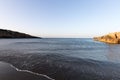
(7,72)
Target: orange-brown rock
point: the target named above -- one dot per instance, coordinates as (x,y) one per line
(113,38)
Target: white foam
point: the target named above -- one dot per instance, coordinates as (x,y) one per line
(32,72)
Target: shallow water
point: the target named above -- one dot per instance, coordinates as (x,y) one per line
(8,72)
(63,59)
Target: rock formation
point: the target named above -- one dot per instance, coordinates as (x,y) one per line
(14,34)
(113,38)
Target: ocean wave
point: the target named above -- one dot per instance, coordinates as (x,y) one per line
(60,67)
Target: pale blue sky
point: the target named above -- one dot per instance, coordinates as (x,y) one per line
(61,18)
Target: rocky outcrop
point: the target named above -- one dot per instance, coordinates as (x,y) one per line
(14,34)
(113,38)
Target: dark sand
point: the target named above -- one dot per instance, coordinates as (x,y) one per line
(7,72)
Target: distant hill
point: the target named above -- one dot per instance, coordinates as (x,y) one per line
(14,34)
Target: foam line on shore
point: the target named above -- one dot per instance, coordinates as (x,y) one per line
(31,72)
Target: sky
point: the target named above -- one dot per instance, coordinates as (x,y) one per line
(61,18)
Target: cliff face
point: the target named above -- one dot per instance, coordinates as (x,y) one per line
(109,38)
(14,34)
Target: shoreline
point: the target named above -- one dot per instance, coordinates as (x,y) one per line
(64,68)
(9,72)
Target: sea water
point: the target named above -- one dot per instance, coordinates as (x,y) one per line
(63,58)
(75,47)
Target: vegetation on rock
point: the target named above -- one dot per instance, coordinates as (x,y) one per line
(13,34)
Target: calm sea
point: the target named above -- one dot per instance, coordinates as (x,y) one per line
(75,47)
(63,58)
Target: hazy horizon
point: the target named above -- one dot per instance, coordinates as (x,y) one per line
(61,18)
